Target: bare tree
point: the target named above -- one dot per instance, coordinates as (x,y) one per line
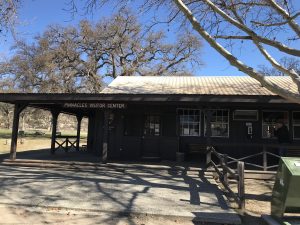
(6,110)
(267,24)
(8,14)
(289,63)
(72,59)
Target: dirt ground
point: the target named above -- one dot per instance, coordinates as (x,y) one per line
(54,216)
(258,194)
(258,198)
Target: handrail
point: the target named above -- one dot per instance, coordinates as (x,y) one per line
(238,175)
(264,155)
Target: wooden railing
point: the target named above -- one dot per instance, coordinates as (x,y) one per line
(264,154)
(65,142)
(261,160)
(224,172)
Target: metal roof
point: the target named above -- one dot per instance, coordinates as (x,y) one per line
(201,85)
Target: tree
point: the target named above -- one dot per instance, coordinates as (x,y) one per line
(289,63)
(70,59)
(267,24)
(8,14)
(6,110)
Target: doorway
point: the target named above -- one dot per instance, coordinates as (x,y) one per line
(151,137)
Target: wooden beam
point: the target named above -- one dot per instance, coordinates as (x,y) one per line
(14,136)
(105,136)
(91,130)
(79,119)
(208,115)
(54,129)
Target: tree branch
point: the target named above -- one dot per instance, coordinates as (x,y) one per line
(293,24)
(293,97)
(251,33)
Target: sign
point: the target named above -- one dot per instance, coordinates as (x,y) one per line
(85,105)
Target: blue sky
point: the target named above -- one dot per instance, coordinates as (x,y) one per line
(36,15)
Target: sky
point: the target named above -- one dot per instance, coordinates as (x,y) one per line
(36,15)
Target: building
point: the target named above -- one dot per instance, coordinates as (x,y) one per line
(154,117)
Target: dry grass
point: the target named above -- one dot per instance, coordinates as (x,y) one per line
(31,141)
(25,144)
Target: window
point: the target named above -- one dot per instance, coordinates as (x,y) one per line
(247,115)
(219,123)
(296,125)
(189,122)
(152,125)
(269,120)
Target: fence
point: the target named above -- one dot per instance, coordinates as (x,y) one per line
(65,142)
(264,156)
(224,171)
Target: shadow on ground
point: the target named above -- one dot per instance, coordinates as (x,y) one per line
(164,190)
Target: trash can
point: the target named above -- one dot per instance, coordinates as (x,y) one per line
(179,156)
(286,190)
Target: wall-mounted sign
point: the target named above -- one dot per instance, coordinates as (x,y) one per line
(85,105)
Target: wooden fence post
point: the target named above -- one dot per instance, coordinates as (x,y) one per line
(265,160)
(225,174)
(241,185)
(208,156)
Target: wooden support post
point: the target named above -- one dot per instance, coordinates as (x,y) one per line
(105,136)
(265,160)
(54,129)
(208,115)
(241,185)
(14,136)
(208,156)
(79,119)
(225,174)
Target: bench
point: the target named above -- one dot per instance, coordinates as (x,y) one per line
(197,148)
(293,151)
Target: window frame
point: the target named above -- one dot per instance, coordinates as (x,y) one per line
(159,122)
(228,128)
(199,123)
(293,125)
(262,121)
(245,110)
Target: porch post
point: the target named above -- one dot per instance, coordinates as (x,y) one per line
(14,135)
(208,115)
(54,128)
(105,136)
(79,118)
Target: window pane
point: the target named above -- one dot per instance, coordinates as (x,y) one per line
(219,123)
(189,122)
(152,125)
(269,120)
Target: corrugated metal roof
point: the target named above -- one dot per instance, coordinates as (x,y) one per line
(212,85)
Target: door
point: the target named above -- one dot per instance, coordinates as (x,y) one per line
(151,137)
